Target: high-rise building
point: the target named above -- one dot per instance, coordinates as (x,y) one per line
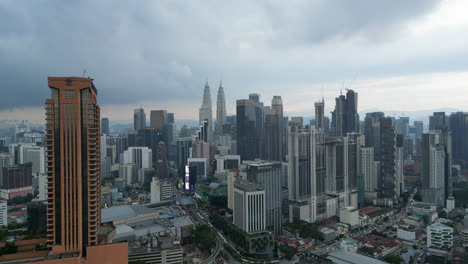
(273,127)
(320,114)
(438,121)
(247,137)
(73,164)
(170,118)
(372,132)
(158,119)
(73,169)
(220,109)
(128,172)
(269,176)
(184,146)
(249,207)
(232,177)
(142,157)
(435,167)
(306,172)
(5,159)
(370,170)
(160,190)
(105,126)
(459,129)
(139,119)
(205,112)
(3,214)
(16,180)
(345,118)
(259,122)
(388,162)
(35,155)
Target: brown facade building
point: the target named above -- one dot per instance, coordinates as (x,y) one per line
(158,118)
(73,165)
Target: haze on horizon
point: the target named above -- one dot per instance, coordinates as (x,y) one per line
(397,55)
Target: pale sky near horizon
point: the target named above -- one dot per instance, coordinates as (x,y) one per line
(398,55)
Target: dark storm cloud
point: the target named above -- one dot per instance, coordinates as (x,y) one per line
(163,50)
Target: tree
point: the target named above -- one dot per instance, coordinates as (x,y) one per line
(204,237)
(411,260)
(288,251)
(394,259)
(442,214)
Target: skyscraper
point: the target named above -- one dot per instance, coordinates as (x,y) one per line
(73,165)
(105,126)
(205,112)
(249,207)
(269,176)
(436,166)
(158,119)
(459,129)
(319,114)
(139,119)
(255,97)
(438,121)
(220,109)
(273,127)
(247,138)
(388,162)
(372,132)
(345,118)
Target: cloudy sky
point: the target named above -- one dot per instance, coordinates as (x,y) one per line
(398,55)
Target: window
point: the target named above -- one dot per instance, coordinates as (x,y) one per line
(69,94)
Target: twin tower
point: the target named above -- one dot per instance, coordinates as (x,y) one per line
(206,112)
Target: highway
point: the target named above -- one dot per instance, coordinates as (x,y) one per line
(219,242)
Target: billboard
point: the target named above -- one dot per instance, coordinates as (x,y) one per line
(187,178)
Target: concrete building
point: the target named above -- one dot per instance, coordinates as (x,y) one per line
(408,234)
(220,110)
(105,126)
(16,180)
(269,176)
(246,130)
(160,190)
(158,119)
(450,203)
(206,112)
(439,236)
(128,172)
(436,167)
(74,182)
(232,176)
(35,155)
(142,157)
(273,131)
(249,207)
(139,119)
(200,165)
(227,163)
(3,213)
(370,170)
(349,215)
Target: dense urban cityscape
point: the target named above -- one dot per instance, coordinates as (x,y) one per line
(255,187)
(228,132)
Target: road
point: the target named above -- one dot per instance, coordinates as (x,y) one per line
(219,242)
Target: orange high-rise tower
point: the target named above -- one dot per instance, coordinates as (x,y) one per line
(73,165)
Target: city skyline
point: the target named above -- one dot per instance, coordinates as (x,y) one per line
(380,57)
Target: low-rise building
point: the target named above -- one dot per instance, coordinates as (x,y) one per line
(439,236)
(406,234)
(349,215)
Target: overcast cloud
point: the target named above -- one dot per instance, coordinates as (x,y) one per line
(158,54)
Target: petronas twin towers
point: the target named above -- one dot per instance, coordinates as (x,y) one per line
(206,112)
